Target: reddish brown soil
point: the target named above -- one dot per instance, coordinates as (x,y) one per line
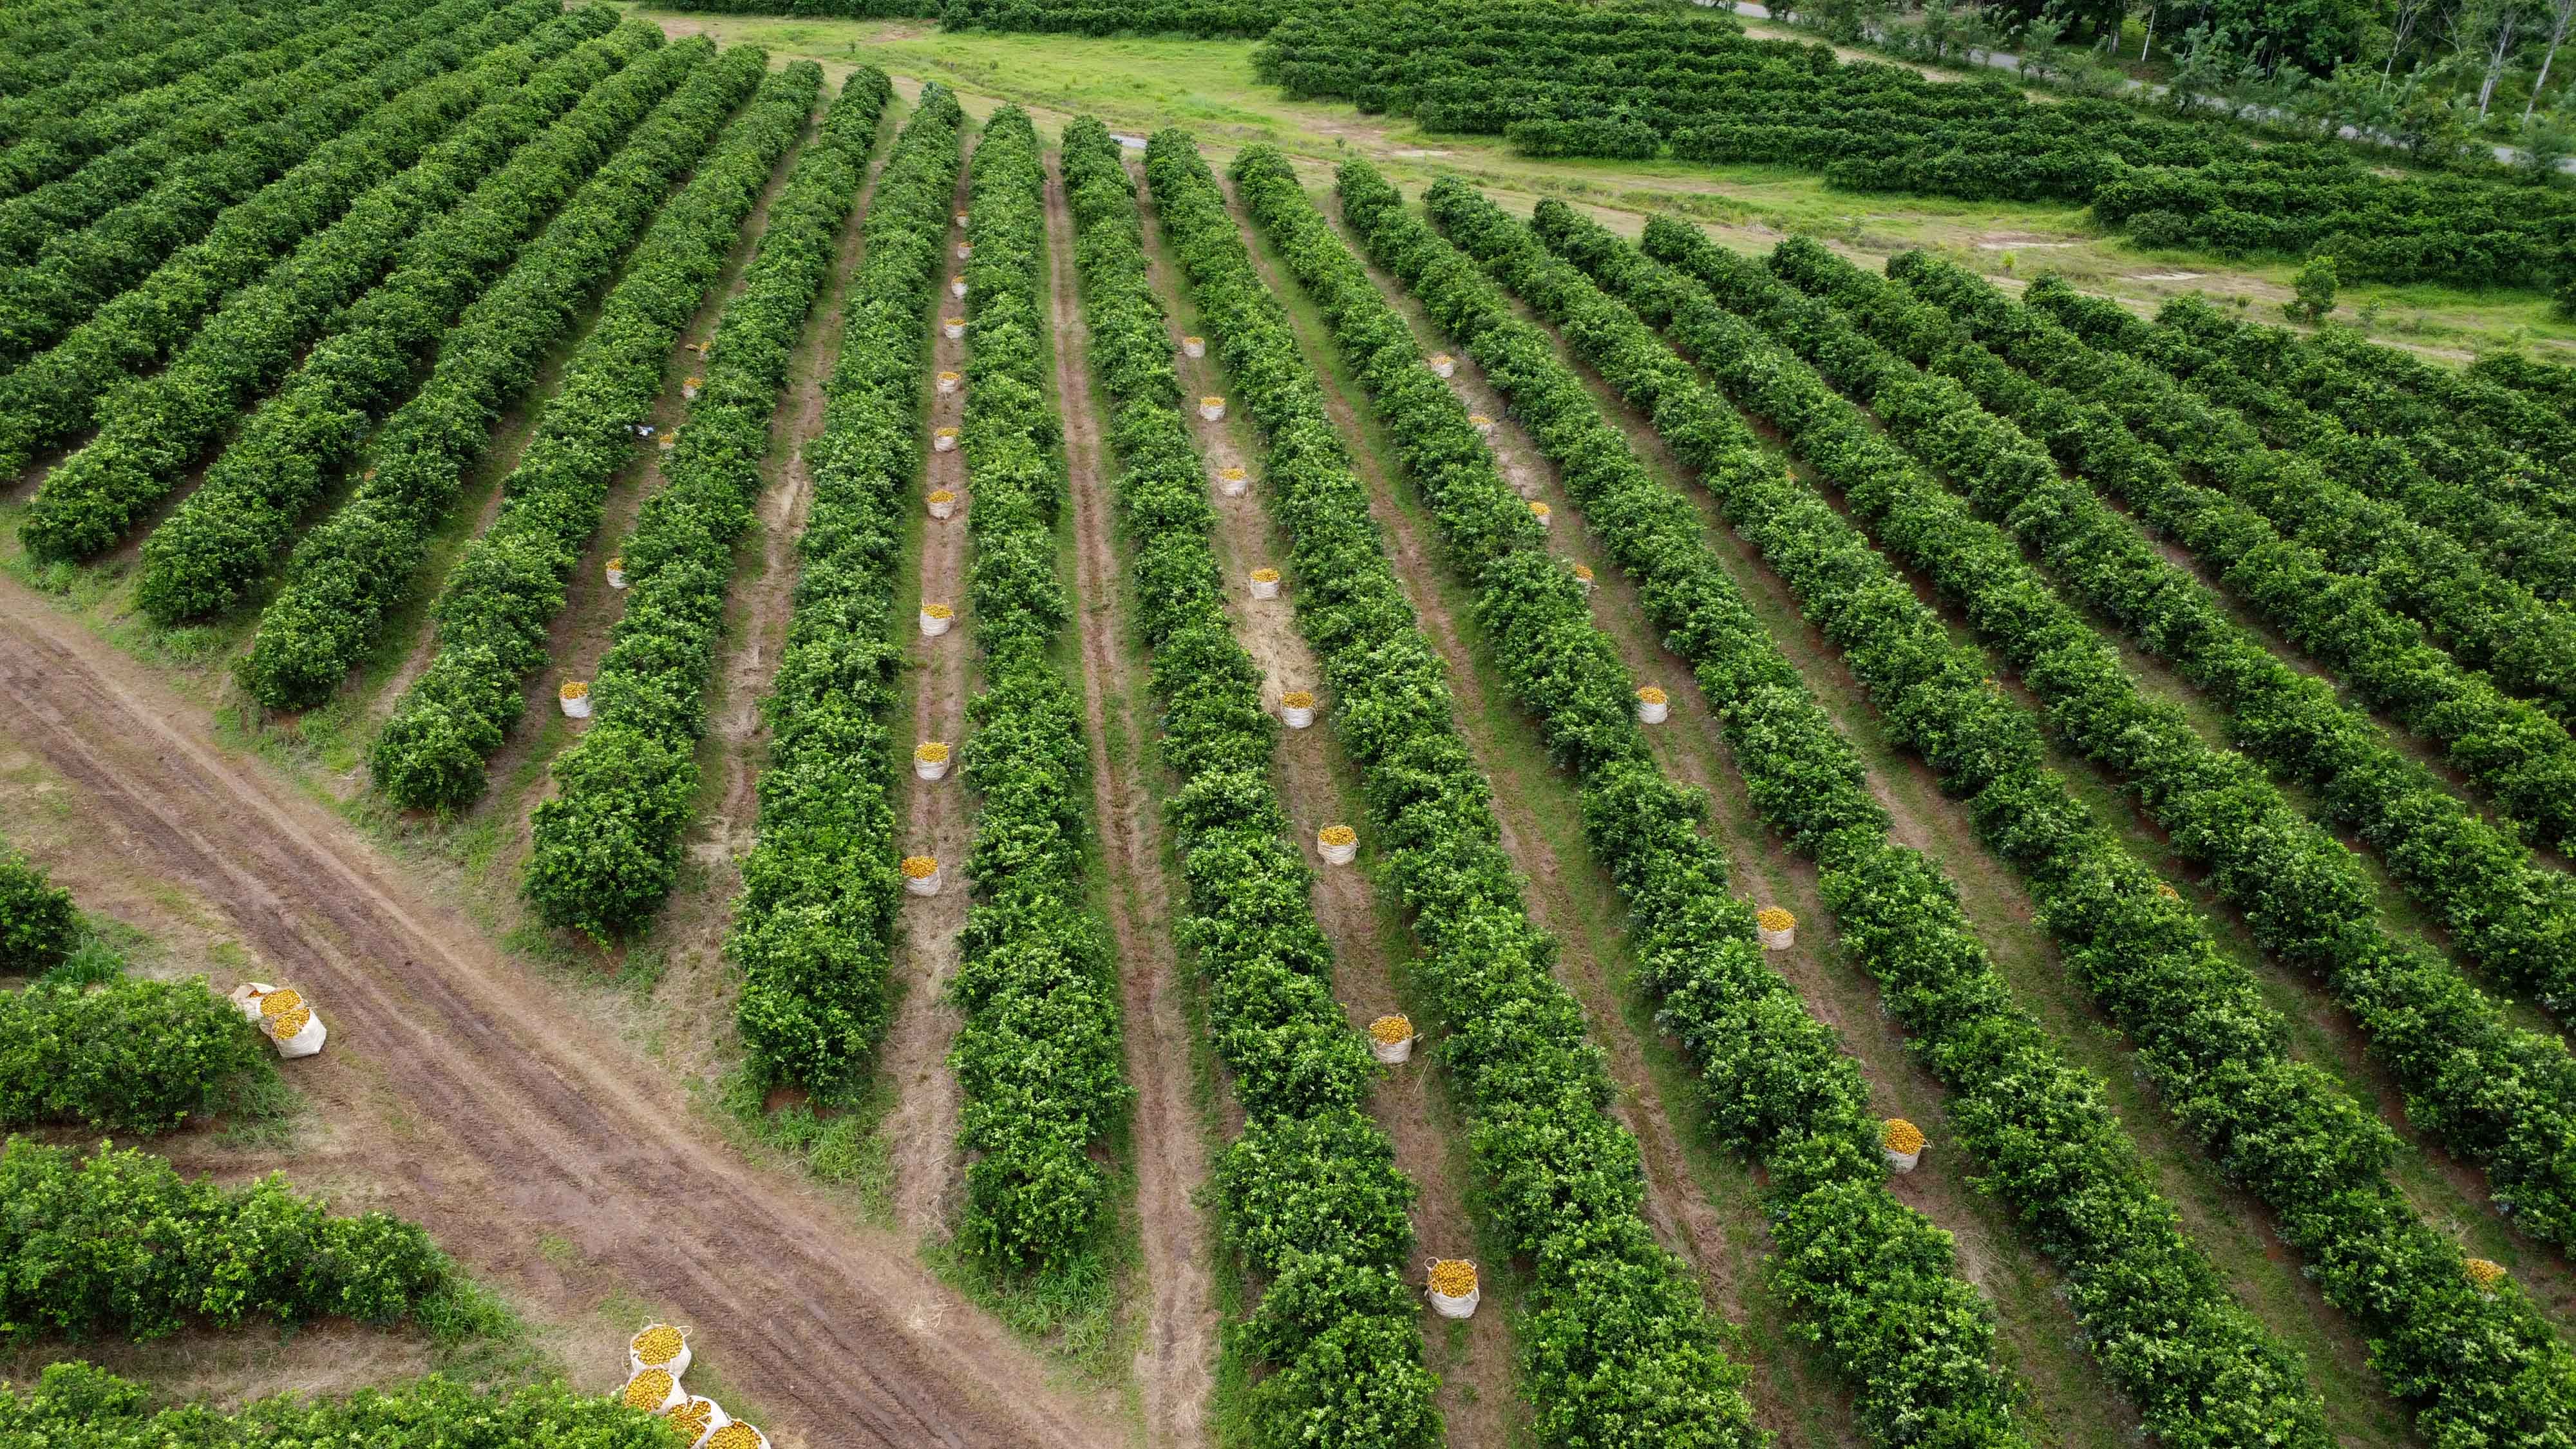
(555,1163)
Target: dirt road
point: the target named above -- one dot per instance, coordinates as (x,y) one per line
(493,1117)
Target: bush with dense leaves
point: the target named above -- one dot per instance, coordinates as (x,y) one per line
(340,217)
(280,455)
(75,258)
(74,1403)
(2501,906)
(2483,464)
(351,571)
(39,925)
(2341,492)
(116,1242)
(283,458)
(1312,1196)
(500,601)
(2498,1095)
(2475,1364)
(1618,1350)
(1038,1055)
(1637,82)
(2138,432)
(126,1055)
(64,105)
(2198,1366)
(814,927)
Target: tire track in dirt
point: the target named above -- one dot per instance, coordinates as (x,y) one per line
(1681,1217)
(1175,1365)
(921,1129)
(1478,1397)
(507,1123)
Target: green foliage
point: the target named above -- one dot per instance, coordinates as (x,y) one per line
(63,390)
(1567,79)
(1038,1055)
(2315,289)
(86,238)
(1617,1347)
(2490,468)
(1313,1200)
(2501,906)
(607,846)
(1882,1282)
(443,228)
(39,926)
(2511,748)
(2326,489)
(129,1055)
(116,1242)
(74,1403)
(504,594)
(814,927)
(2471,1363)
(350,571)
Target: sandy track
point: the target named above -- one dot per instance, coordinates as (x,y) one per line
(921,1129)
(500,1124)
(1478,1400)
(1175,1365)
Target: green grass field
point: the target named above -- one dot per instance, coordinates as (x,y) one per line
(1209,87)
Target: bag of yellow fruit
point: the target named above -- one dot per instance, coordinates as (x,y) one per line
(655,1391)
(697,1420)
(283,1016)
(736,1435)
(658,1346)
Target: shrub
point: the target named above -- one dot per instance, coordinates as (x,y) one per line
(127,1055)
(117,1242)
(39,925)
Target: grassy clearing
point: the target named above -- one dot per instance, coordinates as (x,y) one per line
(1140,84)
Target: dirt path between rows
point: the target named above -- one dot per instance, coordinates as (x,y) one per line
(1175,1365)
(579,636)
(921,1129)
(1478,1398)
(500,1124)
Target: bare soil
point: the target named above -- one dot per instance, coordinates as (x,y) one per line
(556,1163)
(1175,1365)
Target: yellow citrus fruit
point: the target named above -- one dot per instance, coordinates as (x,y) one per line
(648,1389)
